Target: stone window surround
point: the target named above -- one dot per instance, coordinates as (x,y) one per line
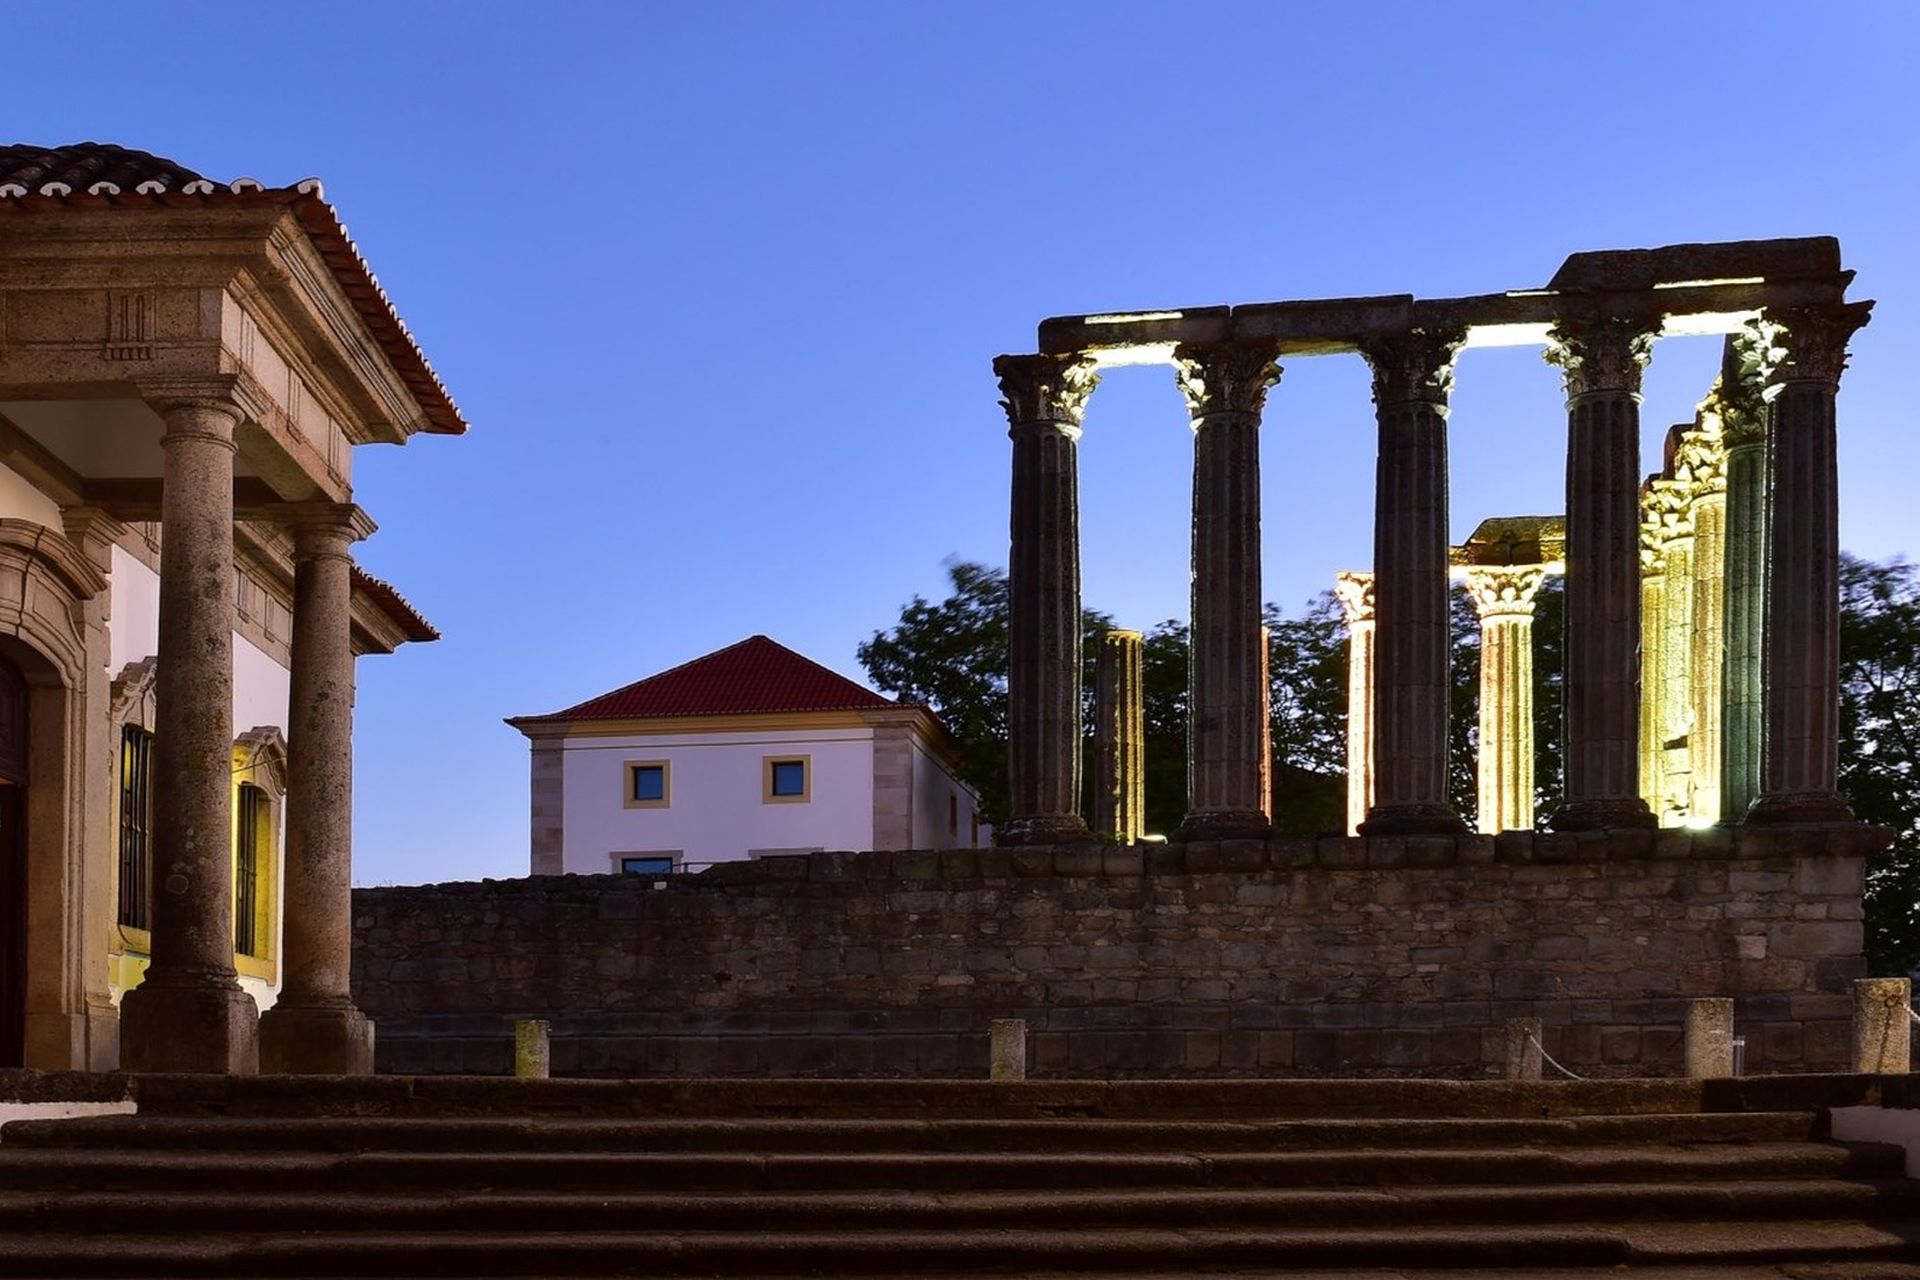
(618,856)
(767,763)
(631,768)
(260,758)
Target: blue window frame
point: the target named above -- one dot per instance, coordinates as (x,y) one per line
(789,778)
(650,782)
(646,865)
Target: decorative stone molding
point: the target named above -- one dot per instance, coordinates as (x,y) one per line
(261,753)
(1354,590)
(1226,377)
(131,695)
(1740,394)
(1040,388)
(1505,590)
(1414,367)
(1604,354)
(1813,340)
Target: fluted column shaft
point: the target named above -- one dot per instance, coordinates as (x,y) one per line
(189,1013)
(1708,691)
(1503,596)
(1412,376)
(1803,558)
(314,1027)
(1044,397)
(1355,591)
(1744,422)
(1119,796)
(1225,387)
(1602,361)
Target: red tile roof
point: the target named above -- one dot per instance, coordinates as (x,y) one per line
(755,676)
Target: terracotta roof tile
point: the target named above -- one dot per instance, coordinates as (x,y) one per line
(84,164)
(755,676)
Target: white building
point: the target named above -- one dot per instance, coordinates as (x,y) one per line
(749,751)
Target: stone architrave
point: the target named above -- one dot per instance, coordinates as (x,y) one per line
(314,1028)
(1412,377)
(190,1014)
(1355,593)
(1119,794)
(1044,397)
(1744,413)
(1225,386)
(1601,359)
(1803,563)
(1503,596)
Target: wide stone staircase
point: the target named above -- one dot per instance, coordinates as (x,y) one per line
(846,1178)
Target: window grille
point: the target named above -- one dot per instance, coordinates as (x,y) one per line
(246,872)
(136,826)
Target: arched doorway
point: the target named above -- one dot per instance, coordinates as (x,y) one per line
(13,864)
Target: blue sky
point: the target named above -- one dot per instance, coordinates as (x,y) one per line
(719,285)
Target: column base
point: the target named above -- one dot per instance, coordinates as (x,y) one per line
(1606,814)
(1789,807)
(1223,824)
(309,1041)
(1413,820)
(1046,828)
(189,1028)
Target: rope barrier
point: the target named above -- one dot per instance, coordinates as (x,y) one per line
(1548,1058)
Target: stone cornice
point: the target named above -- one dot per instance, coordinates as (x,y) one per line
(1226,377)
(1045,389)
(1603,354)
(1415,367)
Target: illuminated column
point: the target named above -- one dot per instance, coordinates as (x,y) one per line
(1601,360)
(1653,583)
(189,1014)
(1674,721)
(1225,387)
(1803,558)
(1119,795)
(1355,591)
(1703,457)
(1503,594)
(1744,414)
(1044,399)
(1412,375)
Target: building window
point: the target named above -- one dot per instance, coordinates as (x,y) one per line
(136,825)
(649,784)
(645,864)
(251,813)
(787,779)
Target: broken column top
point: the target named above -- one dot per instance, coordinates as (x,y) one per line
(1685,288)
(1515,540)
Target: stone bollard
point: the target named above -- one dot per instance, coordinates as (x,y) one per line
(1709,1038)
(531,1050)
(1882,1030)
(1523,1049)
(1007,1049)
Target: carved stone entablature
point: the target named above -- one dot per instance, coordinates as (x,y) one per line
(1814,340)
(1505,590)
(1045,388)
(1605,354)
(1354,590)
(1414,367)
(1226,377)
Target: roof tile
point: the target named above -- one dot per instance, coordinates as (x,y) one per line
(755,676)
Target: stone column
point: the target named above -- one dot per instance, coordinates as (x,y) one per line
(190,1013)
(1653,593)
(1044,397)
(314,1028)
(1704,457)
(1355,591)
(1225,387)
(1119,795)
(1503,595)
(1601,359)
(1412,376)
(1743,420)
(1673,697)
(1803,561)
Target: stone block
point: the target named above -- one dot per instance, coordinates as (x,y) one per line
(1882,1025)
(1475,850)
(1315,1051)
(1619,1045)
(1357,1050)
(959,864)
(1274,1048)
(1078,861)
(1431,851)
(1630,845)
(1829,877)
(1293,854)
(1033,861)
(1243,856)
(1780,1044)
(1808,939)
(1340,852)
(1123,861)
(1404,1047)
(1514,847)
(1202,856)
(1386,852)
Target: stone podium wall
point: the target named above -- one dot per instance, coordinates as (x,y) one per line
(1338,956)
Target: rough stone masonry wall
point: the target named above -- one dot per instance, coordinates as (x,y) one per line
(1287,957)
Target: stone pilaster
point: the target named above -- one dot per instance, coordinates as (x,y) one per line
(1503,595)
(1803,560)
(547,789)
(189,1014)
(314,1028)
(1225,387)
(1119,794)
(1355,592)
(1044,397)
(1601,359)
(1744,416)
(1412,376)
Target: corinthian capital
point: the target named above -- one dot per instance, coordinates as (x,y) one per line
(1045,388)
(1606,353)
(1354,590)
(1813,340)
(1504,590)
(1415,367)
(1226,377)
(1746,366)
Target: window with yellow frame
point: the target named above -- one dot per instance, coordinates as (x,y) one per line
(259,785)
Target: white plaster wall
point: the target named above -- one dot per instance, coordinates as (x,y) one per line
(19,500)
(133,632)
(716,813)
(932,784)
